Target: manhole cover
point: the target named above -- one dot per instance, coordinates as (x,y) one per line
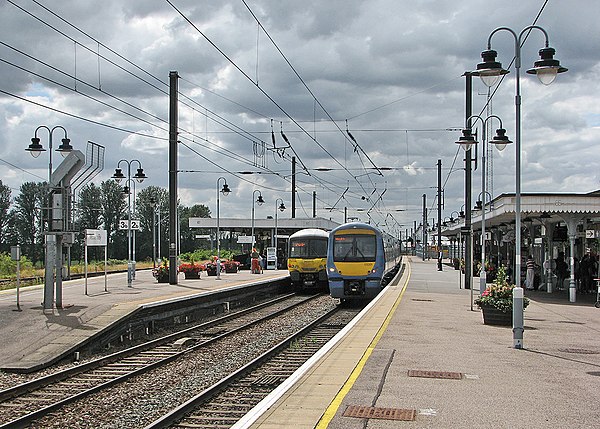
(435,374)
(422,300)
(579,351)
(380,413)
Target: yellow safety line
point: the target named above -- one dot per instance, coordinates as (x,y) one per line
(337,401)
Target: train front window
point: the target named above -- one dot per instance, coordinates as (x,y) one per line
(308,248)
(354,248)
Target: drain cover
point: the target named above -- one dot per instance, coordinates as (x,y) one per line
(435,374)
(380,413)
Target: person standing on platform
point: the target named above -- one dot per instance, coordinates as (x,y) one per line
(529,279)
(255,261)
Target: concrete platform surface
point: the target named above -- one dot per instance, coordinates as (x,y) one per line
(425,323)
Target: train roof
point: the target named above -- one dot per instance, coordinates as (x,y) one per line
(310,232)
(356,225)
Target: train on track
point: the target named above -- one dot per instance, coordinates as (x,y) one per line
(307,258)
(360,261)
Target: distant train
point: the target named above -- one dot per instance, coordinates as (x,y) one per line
(356,261)
(307,258)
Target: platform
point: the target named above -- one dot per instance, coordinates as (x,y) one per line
(33,337)
(424,326)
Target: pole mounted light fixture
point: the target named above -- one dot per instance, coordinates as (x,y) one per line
(139,176)
(225,191)
(546,70)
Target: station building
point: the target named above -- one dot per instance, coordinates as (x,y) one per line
(552,225)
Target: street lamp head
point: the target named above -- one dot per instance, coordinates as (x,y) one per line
(466,140)
(225,191)
(500,139)
(65,147)
(118,176)
(547,67)
(125,190)
(281,207)
(35,148)
(139,176)
(260,200)
(489,70)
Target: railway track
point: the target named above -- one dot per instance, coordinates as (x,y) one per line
(226,402)
(25,403)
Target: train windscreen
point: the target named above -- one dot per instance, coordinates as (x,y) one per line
(308,248)
(354,248)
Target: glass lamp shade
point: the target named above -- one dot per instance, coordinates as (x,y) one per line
(500,139)
(489,70)
(35,148)
(547,67)
(225,191)
(466,141)
(139,176)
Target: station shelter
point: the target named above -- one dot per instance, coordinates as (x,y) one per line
(553,226)
(236,232)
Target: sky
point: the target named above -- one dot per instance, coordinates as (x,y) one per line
(389,73)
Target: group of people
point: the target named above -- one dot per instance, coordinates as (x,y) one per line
(586,271)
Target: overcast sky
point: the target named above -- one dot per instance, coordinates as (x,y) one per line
(391,68)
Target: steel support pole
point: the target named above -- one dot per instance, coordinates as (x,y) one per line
(173,126)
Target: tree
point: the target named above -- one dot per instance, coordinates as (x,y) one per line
(4,217)
(149,201)
(28,218)
(114,208)
(89,216)
(188,241)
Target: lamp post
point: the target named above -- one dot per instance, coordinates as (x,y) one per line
(490,71)
(225,191)
(260,202)
(153,204)
(139,176)
(281,208)
(53,259)
(466,141)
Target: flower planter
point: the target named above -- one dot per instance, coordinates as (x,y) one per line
(191,275)
(162,279)
(211,272)
(493,316)
(231,270)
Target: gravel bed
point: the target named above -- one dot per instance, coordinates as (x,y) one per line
(145,398)
(8,380)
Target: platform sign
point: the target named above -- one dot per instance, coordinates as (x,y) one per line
(271,258)
(244,239)
(135,224)
(591,233)
(95,237)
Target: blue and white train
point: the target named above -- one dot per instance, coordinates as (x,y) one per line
(356,261)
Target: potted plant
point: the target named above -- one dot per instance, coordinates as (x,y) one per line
(191,270)
(161,273)
(496,301)
(211,266)
(231,266)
